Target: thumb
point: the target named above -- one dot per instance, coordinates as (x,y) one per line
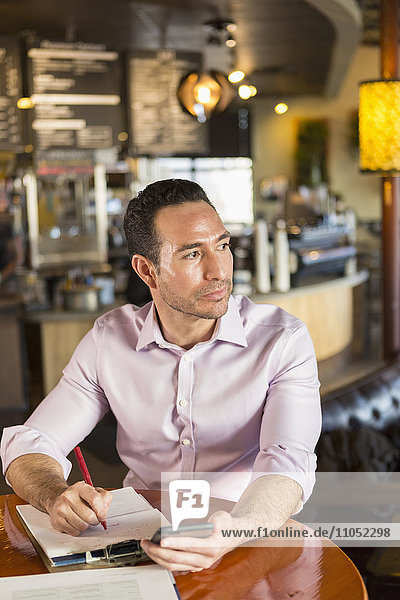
(220,519)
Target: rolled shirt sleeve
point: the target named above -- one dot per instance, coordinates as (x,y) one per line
(66,416)
(291,422)
(22,439)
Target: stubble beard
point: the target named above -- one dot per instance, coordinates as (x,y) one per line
(191,306)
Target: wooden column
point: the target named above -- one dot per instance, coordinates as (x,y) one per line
(390,194)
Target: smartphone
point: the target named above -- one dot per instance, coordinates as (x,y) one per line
(202,530)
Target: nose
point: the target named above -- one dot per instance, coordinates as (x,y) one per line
(215,267)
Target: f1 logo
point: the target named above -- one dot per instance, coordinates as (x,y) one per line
(183,497)
(189,499)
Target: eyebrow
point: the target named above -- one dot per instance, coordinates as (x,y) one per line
(184,247)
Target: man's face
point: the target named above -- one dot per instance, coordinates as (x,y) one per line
(195,268)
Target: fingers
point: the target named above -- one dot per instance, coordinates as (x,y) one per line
(99,500)
(78,507)
(190,544)
(65,519)
(193,554)
(176,560)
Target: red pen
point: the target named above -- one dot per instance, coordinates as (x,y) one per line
(85,474)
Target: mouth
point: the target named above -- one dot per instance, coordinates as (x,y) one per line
(216,294)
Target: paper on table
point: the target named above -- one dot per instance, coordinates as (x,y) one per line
(125,583)
(129,517)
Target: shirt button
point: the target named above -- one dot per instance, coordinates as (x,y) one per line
(187,357)
(182,403)
(186,442)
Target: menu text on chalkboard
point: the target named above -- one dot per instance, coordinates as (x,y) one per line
(158,125)
(75,90)
(10,91)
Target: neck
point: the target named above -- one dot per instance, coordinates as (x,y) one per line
(184,330)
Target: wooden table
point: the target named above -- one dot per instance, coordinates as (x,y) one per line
(270,573)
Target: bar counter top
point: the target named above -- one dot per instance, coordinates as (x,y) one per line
(304,290)
(349,281)
(327,307)
(52,315)
(332,310)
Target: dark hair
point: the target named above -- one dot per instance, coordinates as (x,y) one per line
(140,231)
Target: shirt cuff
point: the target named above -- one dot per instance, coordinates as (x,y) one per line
(20,440)
(290,462)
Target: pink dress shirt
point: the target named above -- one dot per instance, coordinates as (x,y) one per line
(246,401)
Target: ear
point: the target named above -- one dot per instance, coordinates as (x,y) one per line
(145,269)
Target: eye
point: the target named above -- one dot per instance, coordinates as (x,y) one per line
(193,254)
(225,246)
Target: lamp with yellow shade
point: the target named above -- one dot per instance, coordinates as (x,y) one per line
(379,126)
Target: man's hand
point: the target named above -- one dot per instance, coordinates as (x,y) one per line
(77,507)
(39,479)
(194,554)
(267,502)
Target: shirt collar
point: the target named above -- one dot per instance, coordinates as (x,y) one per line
(229,328)
(151,332)
(146,336)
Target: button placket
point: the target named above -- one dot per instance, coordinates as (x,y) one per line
(184,392)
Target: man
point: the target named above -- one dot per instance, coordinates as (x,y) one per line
(198,381)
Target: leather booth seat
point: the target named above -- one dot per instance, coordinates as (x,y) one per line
(373,401)
(363,418)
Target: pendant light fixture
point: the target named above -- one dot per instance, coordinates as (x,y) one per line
(205,92)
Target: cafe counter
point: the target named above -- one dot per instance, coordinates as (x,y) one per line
(60,333)
(327,308)
(331,310)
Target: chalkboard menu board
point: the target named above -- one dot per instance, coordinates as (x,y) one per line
(158,126)
(10,91)
(75,88)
